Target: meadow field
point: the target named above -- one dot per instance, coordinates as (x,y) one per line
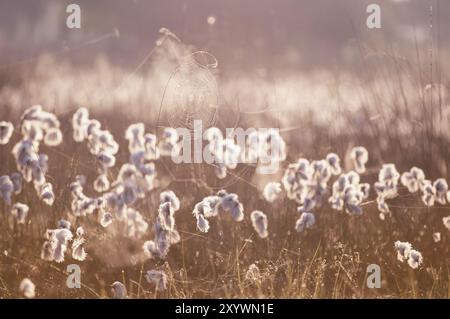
(87,177)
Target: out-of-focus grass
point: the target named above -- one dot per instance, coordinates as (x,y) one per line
(388,108)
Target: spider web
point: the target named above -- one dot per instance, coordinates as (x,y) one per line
(191,93)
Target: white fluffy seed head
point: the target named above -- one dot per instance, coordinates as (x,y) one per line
(202,223)
(166,215)
(360,156)
(150,147)
(136,225)
(6,188)
(46,194)
(413,179)
(403,250)
(106,160)
(259,222)
(446,222)
(388,173)
(150,249)
(16,179)
(106,219)
(436,237)
(53,137)
(27,288)
(253,274)
(383,207)
(78,252)
(158,278)
(306,220)
(168,144)
(101,183)
(271,191)
(441,188)
(171,197)
(6,131)
(135,136)
(212,203)
(118,290)
(237,212)
(80,120)
(20,212)
(55,247)
(335,163)
(415,259)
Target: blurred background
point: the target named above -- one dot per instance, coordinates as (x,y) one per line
(312,69)
(241,34)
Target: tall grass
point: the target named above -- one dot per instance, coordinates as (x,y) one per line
(386,106)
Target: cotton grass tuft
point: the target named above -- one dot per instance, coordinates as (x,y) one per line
(259,222)
(27,288)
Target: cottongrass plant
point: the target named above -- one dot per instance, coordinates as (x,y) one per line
(446,222)
(210,207)
(169,144)
(428,193)
(253,274)
(260,146)
(406,252)
(46,193)
(136,226)
(403,249)
(304,180)
(386,188)
(229,202)
(170,197)
(348,193)
(141,142)
(106,218)
(63,223)
(27,288)
(360,156)
(271,191)
(259,222)
(82,205)
(307,183)
(6,131)
(122,198)
(415,259)
(6,189)
(165,233)
(205,209)
(78,252)
(100,143)
(335,163)
(224,151)
(133,180)
(158,278)
(57,243)
(20,212)
(437,237)
(440,190)
(431,192)
(55,247)
(413,179)
(17,180)
(306,220)
(37,126)
(118,290)
(310,183)
(264,146)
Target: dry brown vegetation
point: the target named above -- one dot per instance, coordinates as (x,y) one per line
(386,107)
